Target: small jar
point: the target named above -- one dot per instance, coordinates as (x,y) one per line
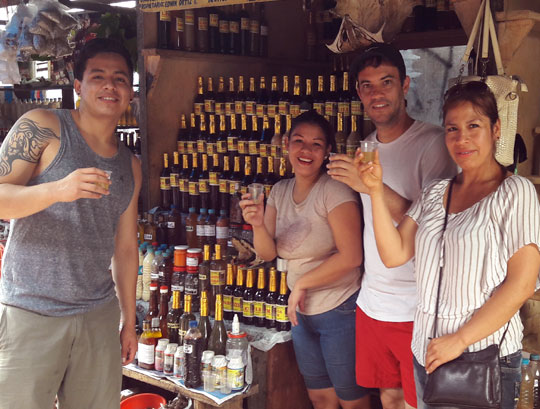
(160,354)
(180,254)
(193,258)
(237,346)
(219,368)
(179,370)
(168,362)
(235,373)
(206,360)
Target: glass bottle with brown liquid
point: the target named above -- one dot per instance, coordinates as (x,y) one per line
(218,267)
(147,345)
(247,299)
(282,319)
(163,310)
(218,338)
(259,300)
(204,322)
(228,293)
(238,293)
(173,318)
(270,300)
(185,319)
(204,275)
(191,228)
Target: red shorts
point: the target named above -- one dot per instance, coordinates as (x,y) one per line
(383,355)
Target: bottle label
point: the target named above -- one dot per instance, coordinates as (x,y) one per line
(165,183)
(235,378)
(250,108)
(260,110)
(243,190)
(190,17)
(270,312)
(247,308)
(254,26)
(319,107)
(283,108)
(201,232)
(217,277)
(344,108)
(258,309)
(220,108)
(214,20)
(209,106)
(172,327)
(198,108)
(171,225)
(356,108)
(202,277)
(210,230)
(154,276)
(179,24)
(180,146)
(244,23)
(234,187)
(242,147)
(351,150)
(221,147)
(174,179)
(274,151)
(203,23)
(194,188)
(264,150)
(264,30)
(229,108)
(188,348)
(189,229)
(164,16)
(232,143)
(210,148)
(222,233)
(223,186)
(272,110)
(191,147)
(330,108)
(146,354)
(224,27)
(341,148)
(227,303)
(183,185)
(203,186)
(192,290)
(267,190)
(237,304)
(147,236)
(281,313)
(234,27)
(294,110)
(213,179)
(239,107)
(253,147)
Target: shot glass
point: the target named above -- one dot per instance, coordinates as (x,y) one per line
(226,387)
(208,381)
(105,185)
(256,189)
(368,148)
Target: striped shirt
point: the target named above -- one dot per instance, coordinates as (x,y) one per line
(478,243)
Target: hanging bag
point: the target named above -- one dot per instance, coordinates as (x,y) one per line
(472,380)
(504,88)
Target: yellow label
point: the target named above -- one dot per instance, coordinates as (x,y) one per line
(174,180)
(330,108)
(356,107)
(234,187)
(203,186)
(319,107)
(260,109)
(247,308)
(253,147)
(270,312)
(351,150)
(283,108)
(344,108)
(210,148)
(274,151)
(242,147)
(217,277)
(294,110)
(198,108)
(232,143)
(181,147)
(209,105)
(258,309)
(227,303)
(243,190)
(203,23)
(237,304)
(223,186)
(244,23)
(179,24)
(263,149)
(190,17)
(183,185)
(214,178)
(267,189)
(341,148)
(239,107)
(254,26)
(250,108)
(164,16)
(281,313)
(201,146)
(164,183)
(222,146)
(229,108)
(224,27)
(234,27)
(272,110)
(220,108)
(191,148)
(214,20)
(193,188)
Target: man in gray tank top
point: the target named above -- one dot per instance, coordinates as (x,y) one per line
(70,189)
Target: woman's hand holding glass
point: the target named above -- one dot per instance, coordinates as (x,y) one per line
(252,212)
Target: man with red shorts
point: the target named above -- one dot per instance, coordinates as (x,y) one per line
(412,153)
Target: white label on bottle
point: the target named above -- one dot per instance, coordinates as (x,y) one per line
(171,225)
(148,236)
(146,354)
(222,232)
(201,230)
(188,348)
(192,261)
(264,30)
(210,230)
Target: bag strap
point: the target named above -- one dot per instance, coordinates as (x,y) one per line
(447,208)
(472,36)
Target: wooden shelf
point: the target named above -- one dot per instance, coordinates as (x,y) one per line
(430,39)
(534,179)
(28,87)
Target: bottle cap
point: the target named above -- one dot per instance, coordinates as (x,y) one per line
(158,252)
(181,248)
(171,348)
(194,251)
(223,212)
(535,357)
(153,286)
(192,210)
(281,264)
(192,324)
(525,361)
(155,322)
(211,211)
(150,250)
(203,210)
(155,243)
(163,342)
(235,325)
(236,362)
(219,361)
(207,356)
(163,289)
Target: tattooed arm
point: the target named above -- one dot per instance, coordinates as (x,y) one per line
(29,147)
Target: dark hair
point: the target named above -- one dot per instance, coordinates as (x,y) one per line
(475,92)
(98,46)
(377,54)
(312,117)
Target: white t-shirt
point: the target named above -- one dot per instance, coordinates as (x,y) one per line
(478,242)
(409,163)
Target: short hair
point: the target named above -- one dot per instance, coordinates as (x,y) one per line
(377,54)
(99,46)
(312,117)
(475,92)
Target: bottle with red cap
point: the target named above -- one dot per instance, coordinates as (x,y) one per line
(163,310)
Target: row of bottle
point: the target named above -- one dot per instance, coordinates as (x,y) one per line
(225,30)
(11,111)
(430,15)
(131,138)
(529,397)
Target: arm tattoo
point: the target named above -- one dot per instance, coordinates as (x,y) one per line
(25,141)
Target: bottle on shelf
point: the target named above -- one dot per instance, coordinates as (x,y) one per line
(282,319)
(341,136)
(202,137)
(201,230)
(185,319)
(307,100)
(229,101)
(153,310)
(296,100)
(253,144)
(147,347)
(174,177)
(331,103)
(202,30)
(213,177)
(285,97)
(248,178)
(220,97)
(165,183)
(251,98)
(311,38)
(189,33)
(234,31)
(263,34)
(354,138)
(238,294)
(228,293)
(191,228)
(173,317)
(164,28)
(271,299)
(193,183)
(224,34)
(320,97)
(254,33)
(245,29)
(204,322)
(183,185)
(269,177)
(163,310)
(224,178)
(344,101)
(240,99)
(204,183)
(178,22)
(210,97)
(259,300)
(193,352)
(262,99)
(198,103)
(247,298)
(210,228)
(272,107)
(218,338)
(213,30)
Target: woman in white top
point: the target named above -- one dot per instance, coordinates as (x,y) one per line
(313,222)
(490,250)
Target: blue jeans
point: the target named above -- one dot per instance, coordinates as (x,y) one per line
(510,381)
(324,345)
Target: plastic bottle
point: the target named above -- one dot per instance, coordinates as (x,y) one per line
(139,290)
(192,351)
(179,368)
(154,272)
(525,395)
(160,354)
(237,343)
(168,362)
(535,372)
(147,273)
(235,373)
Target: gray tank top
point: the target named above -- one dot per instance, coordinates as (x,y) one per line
(57,261)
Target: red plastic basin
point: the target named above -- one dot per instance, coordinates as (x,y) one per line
(143,401)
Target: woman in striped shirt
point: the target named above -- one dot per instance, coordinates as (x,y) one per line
(490,250)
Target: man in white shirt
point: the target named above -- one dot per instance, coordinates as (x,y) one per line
(412,153)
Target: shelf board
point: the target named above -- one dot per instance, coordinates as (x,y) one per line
(34,88)
(430,39)
(229,58)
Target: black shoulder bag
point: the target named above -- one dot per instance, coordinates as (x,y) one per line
(472,380)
